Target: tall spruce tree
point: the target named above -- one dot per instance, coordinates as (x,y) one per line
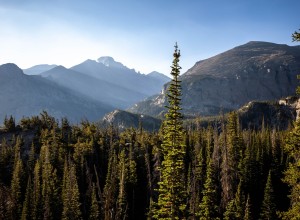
(209,209)
(268,208)
(172,194)
(16,185)
(292,174)
(70,194)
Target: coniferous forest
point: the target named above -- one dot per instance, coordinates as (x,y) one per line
(54,170)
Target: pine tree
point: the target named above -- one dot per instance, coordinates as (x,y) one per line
(268,208)
(296,36)
(248,214)
(50,187)
(240,202)
(292,174)
(37,192)
(230,159)
(9,124)
(94,210)
(70,194)
(26,210)
(235,208)
(172,194)
(122,197)
(110,188)
(209,209)
(16,187)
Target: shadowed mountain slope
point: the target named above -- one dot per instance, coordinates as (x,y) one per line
(23,95)
(254,71)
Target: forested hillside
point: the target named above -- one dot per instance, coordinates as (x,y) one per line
(54,171)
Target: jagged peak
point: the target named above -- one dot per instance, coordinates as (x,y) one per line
(110,62)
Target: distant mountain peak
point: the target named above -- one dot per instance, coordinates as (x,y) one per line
(10,69)
(60,67)
(37,69)
(110,62)
(159,76)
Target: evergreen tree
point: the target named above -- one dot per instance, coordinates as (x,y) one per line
(209,208)
(235,208)
(172,193)
(16,187)
(231,154)
(122,197)
(36,194)
(248,214)
(268,208)
(296,36)
(9,123)
(110,188)
(26,211)
(70,194)
(50,187)
(292,174)
(94,208)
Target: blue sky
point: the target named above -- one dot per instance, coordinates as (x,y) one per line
(138,33)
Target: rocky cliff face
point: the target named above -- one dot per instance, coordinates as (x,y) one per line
(275,115)
(124,119)
(254,71)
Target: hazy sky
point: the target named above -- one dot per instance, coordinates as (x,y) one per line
(138,33)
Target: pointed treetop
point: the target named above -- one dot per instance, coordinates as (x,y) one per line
(176,52)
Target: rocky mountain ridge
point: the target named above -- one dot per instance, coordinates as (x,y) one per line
(123,119)
(225,82)
(104,80)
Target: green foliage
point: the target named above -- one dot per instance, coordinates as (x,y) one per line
(26,211)
(172,192)
(209,208)
(9,123)
(231,159)
(235,208)
(36,199)
(292,174)
(88,172)
(296,36)
(16,187)
(268,208)
(94,207)
(50,186)
(70,194)
(248,214)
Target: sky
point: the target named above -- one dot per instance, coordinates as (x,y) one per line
(138,33)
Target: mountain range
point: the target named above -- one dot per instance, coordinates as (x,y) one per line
(86,91)
(105,80)
(225,82)
(23,95)
(251,72)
